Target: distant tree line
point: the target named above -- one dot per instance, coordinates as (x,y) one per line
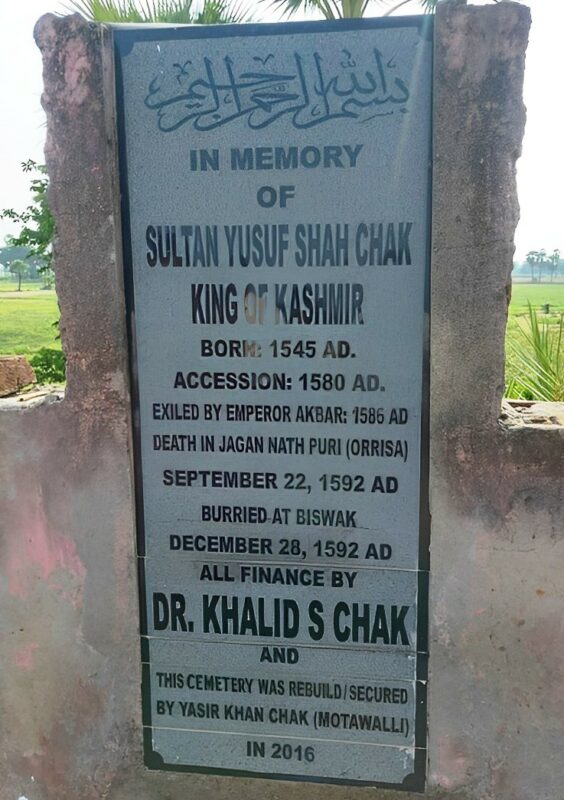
(11,253)
(539,264)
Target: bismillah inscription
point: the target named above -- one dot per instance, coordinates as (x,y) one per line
(211,94)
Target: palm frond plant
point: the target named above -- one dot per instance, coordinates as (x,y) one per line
(536,353)
(179,12)
(219,11)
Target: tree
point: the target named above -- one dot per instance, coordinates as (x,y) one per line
(541,263)
(180,12)
(531,261)
(539,260)
(38,226)
(554,261)
(19,268)
(10,253)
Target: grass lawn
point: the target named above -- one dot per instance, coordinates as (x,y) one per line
(26,320)
(11,285)
(537,294)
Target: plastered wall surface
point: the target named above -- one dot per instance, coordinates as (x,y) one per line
(70,726)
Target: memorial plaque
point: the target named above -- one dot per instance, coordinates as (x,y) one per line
(275,183)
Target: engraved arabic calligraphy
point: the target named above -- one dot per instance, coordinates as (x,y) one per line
(220,93)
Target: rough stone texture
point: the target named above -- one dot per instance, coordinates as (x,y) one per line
(515,412)
(70,724)
(37,396)
(15,373)
(69,710)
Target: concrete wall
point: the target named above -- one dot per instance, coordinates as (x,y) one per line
(70,725)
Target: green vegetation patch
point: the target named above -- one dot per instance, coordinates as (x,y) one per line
(537,294)
(534,366)
(11,285)
(27,322)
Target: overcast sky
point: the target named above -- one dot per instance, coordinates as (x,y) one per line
(540,170)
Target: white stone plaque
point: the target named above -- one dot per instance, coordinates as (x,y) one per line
(276,183)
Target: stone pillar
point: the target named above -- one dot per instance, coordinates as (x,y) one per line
(478,126)
(69,716)
(497,544)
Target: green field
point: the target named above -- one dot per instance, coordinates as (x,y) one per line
(538,294)
(26,320)
(11,285)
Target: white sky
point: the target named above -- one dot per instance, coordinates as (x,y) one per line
(541,168)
